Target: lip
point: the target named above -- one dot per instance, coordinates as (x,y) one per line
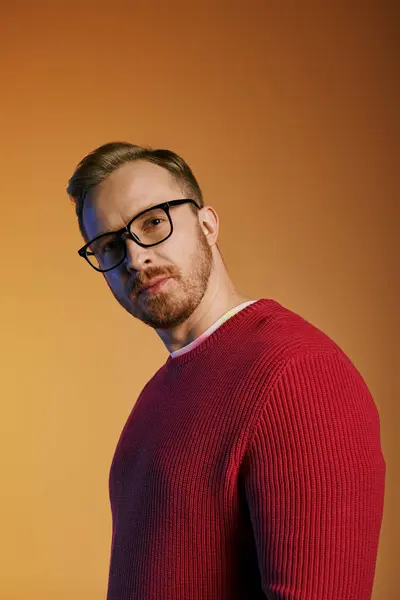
(152,283)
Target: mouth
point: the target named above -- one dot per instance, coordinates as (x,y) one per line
(157,284)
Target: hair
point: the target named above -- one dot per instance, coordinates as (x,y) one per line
(100,163)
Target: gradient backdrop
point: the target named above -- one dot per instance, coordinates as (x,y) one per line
(288,114)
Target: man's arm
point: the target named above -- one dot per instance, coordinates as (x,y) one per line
(313,478)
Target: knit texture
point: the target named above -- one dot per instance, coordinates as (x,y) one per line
(249,468)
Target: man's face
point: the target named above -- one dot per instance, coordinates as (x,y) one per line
(186,257)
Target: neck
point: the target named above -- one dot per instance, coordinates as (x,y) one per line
(220,297)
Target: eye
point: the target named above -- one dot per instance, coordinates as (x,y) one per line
(152,221)
(110,246)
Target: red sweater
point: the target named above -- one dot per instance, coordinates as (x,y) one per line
(249,468)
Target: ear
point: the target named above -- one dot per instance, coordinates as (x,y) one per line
(209,223)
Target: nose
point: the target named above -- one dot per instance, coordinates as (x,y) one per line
(136,256)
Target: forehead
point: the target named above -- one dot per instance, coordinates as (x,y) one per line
(131,188)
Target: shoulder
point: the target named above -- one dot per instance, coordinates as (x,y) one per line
(290,351)
(289,333)
(279,335)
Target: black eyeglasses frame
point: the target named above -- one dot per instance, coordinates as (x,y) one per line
(83,252)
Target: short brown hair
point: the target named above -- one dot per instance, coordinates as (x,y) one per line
(96,166)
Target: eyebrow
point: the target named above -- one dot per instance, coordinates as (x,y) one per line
(128,220)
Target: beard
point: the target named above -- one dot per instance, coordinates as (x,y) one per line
(173,306)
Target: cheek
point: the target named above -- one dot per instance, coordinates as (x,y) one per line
(115,282)
(177,256)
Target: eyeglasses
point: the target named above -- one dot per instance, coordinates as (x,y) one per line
(149,228)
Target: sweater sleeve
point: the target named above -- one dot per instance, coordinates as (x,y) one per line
(313,479)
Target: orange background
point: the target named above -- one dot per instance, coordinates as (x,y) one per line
(288,114)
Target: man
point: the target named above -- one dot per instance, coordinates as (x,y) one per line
(251,464)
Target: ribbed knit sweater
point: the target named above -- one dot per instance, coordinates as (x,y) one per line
(249,468)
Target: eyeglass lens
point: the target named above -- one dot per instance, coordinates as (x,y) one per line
(149,228)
